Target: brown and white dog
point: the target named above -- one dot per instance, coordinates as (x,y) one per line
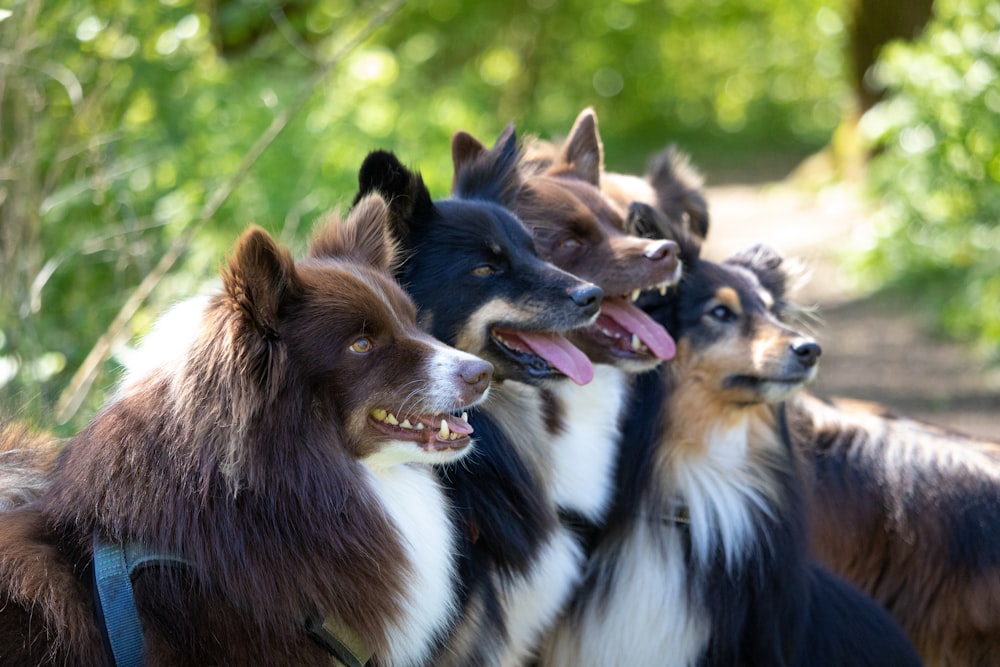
(257,452)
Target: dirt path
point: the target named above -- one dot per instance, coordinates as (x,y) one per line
(874,348)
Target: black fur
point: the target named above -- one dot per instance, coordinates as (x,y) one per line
(498,491)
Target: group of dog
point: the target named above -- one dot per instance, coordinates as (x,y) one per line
(526,424)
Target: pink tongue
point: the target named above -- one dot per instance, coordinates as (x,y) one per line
(642,325)
(561,354)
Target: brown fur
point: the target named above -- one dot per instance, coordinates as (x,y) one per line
(909,512)
(245,461)
(25,461)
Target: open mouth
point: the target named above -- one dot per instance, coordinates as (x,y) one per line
(627,332)
(544,353)
(437,432)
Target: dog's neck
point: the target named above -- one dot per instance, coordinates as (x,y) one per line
(585,441)
(719,461)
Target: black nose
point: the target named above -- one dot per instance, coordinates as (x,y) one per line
(477,375)
(588,297)
(807,352)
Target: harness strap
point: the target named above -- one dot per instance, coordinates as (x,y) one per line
(113,578)
(114,566)
(339,640)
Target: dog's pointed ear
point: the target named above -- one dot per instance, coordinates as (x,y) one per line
(464,149)
(408,198)
(679,189)
(260,275)
(364,237)
(582,153)
(767,264)
(492,175)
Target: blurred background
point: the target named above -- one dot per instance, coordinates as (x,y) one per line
(137,139)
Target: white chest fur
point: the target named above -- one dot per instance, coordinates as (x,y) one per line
(533,602)
(647,620)
(584,453)
(414,501)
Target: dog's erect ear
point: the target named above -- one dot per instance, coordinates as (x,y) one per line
(582,153)
(492,175)
(767,264)
(464,149)
(408,198)
(679,190)
(364,236)
(259,277)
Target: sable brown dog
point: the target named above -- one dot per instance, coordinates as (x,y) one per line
(257,467)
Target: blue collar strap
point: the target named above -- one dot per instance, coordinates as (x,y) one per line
(114,566)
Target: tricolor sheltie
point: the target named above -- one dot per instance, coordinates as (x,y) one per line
(577,229)
(903,510)
(256,468)
(703,560)
(479,285)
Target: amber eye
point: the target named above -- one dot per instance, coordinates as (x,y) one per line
(362,345)
(484,271)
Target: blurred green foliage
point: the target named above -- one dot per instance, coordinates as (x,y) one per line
(937,175)
(119,120)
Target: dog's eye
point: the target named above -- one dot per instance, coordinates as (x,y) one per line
(362,345)
(484,270)
(571,243)
(722,313)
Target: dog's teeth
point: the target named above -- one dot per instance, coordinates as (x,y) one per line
(453,436)
(379,414)
(391,420)
(663,289)
(635,294)
(465,417)
(445,431)
(636,343)
(419,427)
(406,424)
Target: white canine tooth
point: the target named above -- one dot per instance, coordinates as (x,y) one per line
(635,294)
(445,431)
(406,424)
(419,426)
(636,343)
(391,420)
(663,289)
(465,417)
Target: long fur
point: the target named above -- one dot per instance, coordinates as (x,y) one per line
(253,459)
(25,460)
(517,563)
(909,513)
(704,557)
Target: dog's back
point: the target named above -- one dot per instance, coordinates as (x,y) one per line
(909,513)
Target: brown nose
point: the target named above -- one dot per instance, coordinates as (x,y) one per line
(476,375)
(662,250)
(807,352)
